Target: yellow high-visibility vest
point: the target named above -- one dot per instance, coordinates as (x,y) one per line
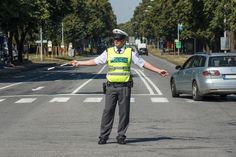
(119,65)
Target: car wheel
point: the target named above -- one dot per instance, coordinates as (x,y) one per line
(195,92)
(173,89)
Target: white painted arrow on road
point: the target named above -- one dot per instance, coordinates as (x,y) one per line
(36,89)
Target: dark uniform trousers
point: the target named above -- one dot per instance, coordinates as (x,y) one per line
(121,95)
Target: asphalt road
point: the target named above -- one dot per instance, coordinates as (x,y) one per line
(57,113)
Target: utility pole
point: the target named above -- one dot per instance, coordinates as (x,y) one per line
(225,25)
(62,34)
(41,44)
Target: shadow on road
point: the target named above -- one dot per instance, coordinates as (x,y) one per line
(137,140)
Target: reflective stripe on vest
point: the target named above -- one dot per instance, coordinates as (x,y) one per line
(118,65)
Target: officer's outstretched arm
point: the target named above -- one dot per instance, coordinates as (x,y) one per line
(149,66)
(90,62)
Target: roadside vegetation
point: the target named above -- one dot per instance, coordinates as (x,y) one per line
(170,57)
(81,23)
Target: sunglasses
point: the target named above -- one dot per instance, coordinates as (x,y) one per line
(118,39)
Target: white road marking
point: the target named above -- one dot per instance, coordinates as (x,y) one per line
(43,95)
(77,89)
(93,99)
(189,100)
(25,100)
(1,100)
(38,88)
(51,68)
(132,100)
(10,85)
(60,99)
(160,99)
(154,86)
(145,82)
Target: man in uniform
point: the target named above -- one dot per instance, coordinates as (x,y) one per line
(119,83)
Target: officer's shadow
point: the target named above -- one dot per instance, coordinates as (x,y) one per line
(151,139)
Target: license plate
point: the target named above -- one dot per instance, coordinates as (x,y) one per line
(226,77)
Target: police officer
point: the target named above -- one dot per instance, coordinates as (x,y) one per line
(119,83)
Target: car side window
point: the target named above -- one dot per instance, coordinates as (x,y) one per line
(202,61)
(188,63)
(196,62)
(199,61)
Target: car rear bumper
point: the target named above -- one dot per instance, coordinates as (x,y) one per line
(218,87)
(219,91)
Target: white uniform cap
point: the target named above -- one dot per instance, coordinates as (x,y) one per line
(120,32)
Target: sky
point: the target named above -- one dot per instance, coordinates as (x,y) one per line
(124,9)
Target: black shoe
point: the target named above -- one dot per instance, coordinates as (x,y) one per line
(121,141)
(102,141)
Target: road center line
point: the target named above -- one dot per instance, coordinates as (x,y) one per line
(145,82)
(77,89)
(150,81)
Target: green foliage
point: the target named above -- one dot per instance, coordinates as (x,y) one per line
(83,19)
(201,19)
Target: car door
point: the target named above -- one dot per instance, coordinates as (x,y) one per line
(192,72)
(183,74)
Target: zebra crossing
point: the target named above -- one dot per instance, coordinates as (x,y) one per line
(148,99)
(89,99)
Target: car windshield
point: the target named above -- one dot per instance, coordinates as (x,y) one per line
(222,61)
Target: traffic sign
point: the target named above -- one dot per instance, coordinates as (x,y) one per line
(178,44)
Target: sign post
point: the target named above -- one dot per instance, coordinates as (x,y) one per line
(224,44)
(179,28)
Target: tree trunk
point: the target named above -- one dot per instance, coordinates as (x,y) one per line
(10,37)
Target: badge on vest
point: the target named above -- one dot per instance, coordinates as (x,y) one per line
(119,60)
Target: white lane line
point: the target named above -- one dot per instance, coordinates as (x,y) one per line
(1,100)
(38,88)
(145,82)
(25,100)
(150,81)
(60,99)
(93,99)
(160,99)
(77,89)
(132,100)
(11,85)
(45,95)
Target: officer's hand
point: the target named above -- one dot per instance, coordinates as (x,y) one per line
(164,73)
(74,63)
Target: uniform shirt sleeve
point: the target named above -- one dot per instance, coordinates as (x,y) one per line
(138,60)
(101,59)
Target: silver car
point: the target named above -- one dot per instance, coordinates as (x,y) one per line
(205,74)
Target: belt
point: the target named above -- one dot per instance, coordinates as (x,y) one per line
(118,84)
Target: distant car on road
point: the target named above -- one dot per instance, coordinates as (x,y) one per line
(142,49)
(205,74)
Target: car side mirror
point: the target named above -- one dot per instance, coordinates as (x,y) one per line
(178,67)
